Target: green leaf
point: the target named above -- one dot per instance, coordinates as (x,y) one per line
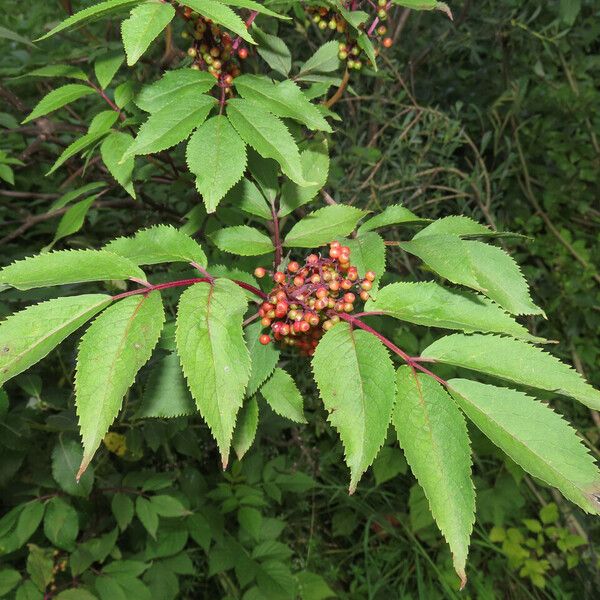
(7,174)
(171,124)
(273,51)
(166,394)
(389,463)
(221,14)
(364,42)
(29,335)
(283,396)
(76,147)
(534,436)
(92,12)
(454,225)
(284,99)
(9,579)
(425,5)
(263,358)
(58,98)
(245,195)
(427,303)
(242,240)
(213,355)
(171,86)
(433,434)
(315,164)
(112,150)
(267,135)
(74,194)
(367,253)
(61,524)
(219,168)
(323,226)
(68,266)
(255,6)
(168,506)
(78,593)
(147,515)
(72,221)
(313,587)
(8,34)
(123,510)
(391,215)
(265,173)
(106,67)
(513,360)
(144,24)
(113,349)
(357,389)
(39,566)
(56,71)
(66,457)
(485,268)
(324,60)
(158,244)
(245,428)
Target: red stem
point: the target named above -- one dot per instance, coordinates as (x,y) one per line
(409,360)
(249,22)
(182,282)
(276,237)
(108,100)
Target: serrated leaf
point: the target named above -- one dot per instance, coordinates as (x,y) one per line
(171,86)
(112,150)
(66,457)
(68,266)
(433,434)
(427,303)
(364,42)
(213,355)
(245,428)
(273,51)
(219,168)
(283,396)
(425,5)
(513,360)
(263,359)
(315,165)
(166,394)
(168,506)
(391,215)
(89,13)
(367,253)
(113,349)
(534,436)
(267,135)
(323,225)
(144,24)
(284,99)
(255,6)
(265,173)
(158,244)
(72,221)
(80,144)
(106,67)
(57,99)
(74,194)
(324,60)
(245,195)
(221,14)
(454,225)
(29,335)
(242,240)
(482,267)
(9,34)
(357,389)
(56,71)
(171,124)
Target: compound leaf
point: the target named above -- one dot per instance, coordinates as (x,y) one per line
(113,349)
(357,388)
(215,360)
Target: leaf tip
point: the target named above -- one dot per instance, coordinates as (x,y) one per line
(463,578)
(82,467)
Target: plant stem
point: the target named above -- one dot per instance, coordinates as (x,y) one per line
(182,282)
(413,363)
(276,238)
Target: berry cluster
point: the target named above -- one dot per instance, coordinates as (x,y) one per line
(324,18)
(213,50)
(306,300)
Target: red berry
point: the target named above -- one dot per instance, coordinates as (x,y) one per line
(260,272)
(312,258)
(321,292)
(334,252)
(366,285)
(347,284)
(349,297)
(370,276)
(264,339)
(298,281)
(243,53)
(279,277)
(293,266)
(344,257)
(334,286)
(387,42)
(265,322)
(304,326)
(335,244)
(364,295)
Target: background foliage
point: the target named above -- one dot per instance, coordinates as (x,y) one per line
(492,116)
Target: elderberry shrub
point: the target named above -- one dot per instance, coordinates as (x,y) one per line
(306,300)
